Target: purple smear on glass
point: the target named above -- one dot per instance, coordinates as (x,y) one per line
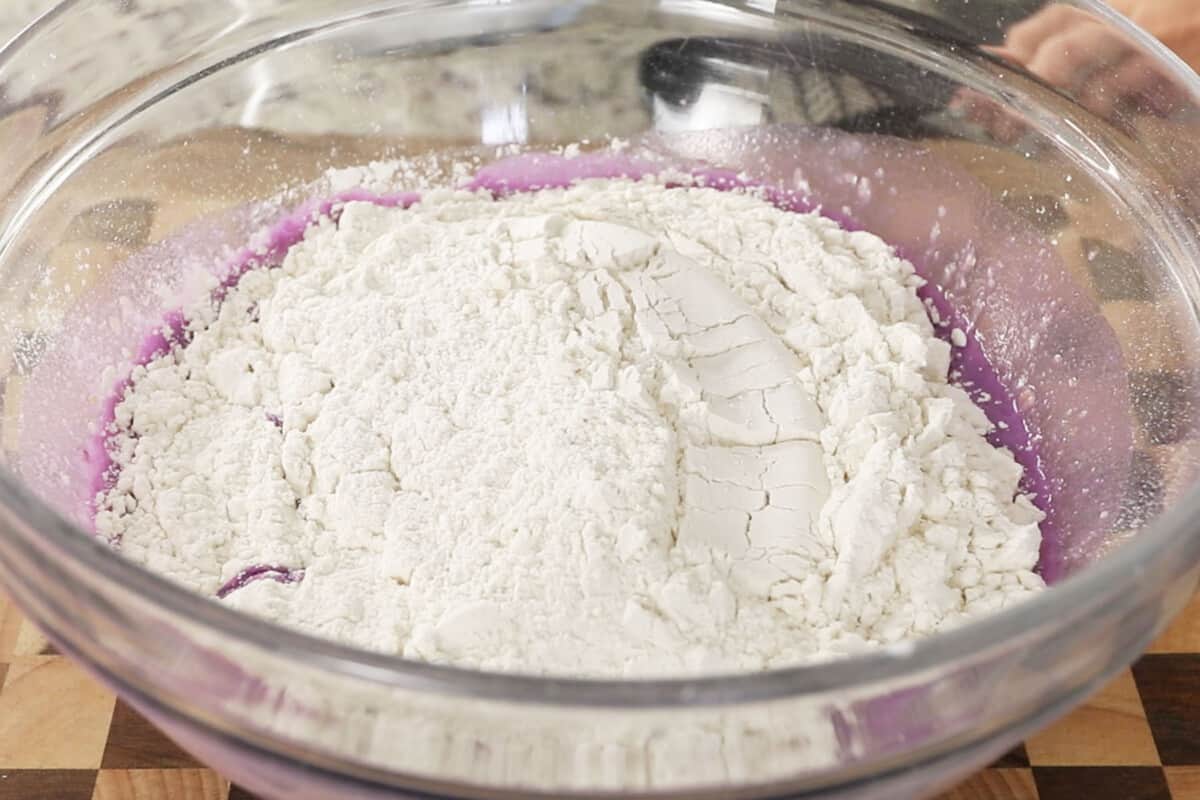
(259,572)
(166,337)
(971,370)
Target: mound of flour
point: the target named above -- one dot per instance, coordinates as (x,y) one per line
(615,429)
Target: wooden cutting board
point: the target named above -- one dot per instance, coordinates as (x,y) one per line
(65,737)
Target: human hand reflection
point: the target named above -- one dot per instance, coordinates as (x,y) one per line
(1097,64)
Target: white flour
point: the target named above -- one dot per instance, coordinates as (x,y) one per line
(618,429)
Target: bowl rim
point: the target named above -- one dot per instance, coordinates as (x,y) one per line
(1093,586)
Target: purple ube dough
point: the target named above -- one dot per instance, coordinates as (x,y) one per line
(258,572)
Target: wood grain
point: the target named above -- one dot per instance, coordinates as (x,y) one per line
(996,784)
(44,784)
(1109,729)
(160,784)
(1102,783)
(11,623)
(1184,782)
(1170,692)
(1183,636)
(133,743)
(52,715)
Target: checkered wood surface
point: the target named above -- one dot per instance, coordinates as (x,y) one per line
(65,737)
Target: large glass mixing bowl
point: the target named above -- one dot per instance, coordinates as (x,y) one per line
(143,142)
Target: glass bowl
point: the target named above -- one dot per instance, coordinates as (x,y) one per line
(143,143)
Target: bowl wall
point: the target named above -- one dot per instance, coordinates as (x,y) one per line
(1070,250)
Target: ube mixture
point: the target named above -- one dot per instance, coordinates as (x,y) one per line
(579,421)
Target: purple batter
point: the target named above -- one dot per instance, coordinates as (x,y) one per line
(970,367)
(258,572)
